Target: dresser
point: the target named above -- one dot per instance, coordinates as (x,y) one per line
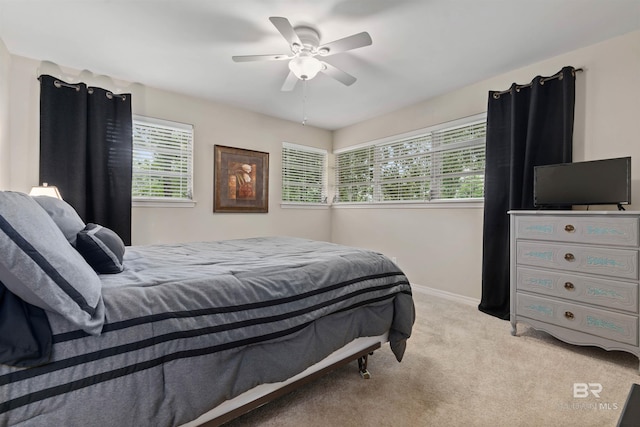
(574,274)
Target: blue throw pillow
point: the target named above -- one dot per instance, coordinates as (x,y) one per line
(102,248)
(25,334)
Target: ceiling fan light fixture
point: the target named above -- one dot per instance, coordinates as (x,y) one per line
(305,67)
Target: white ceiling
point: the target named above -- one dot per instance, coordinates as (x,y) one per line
(421,48)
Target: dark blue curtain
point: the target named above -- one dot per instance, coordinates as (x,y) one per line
(85,150)
(527,126)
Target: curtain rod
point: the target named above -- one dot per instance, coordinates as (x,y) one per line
(496,95)
(110,95)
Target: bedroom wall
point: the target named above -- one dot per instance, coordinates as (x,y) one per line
(441,247)
(213,124)
(5,61)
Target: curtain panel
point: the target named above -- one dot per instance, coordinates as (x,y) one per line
(528,125)
(85,150)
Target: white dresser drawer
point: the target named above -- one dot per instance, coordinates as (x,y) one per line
(601,230)
(575,287)
(621,263)
(606,324)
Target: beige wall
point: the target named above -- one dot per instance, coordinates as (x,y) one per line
(5,61)
(437,247)
(213,124)
(442,247)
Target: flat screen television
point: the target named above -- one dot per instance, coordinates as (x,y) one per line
(598,182)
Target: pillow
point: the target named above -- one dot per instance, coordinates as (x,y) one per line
(102,248)
(25,334)
(63,214)
(40,266)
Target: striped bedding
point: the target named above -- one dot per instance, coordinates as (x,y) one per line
(189,326)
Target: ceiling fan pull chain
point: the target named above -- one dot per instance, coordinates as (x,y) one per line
(304,102)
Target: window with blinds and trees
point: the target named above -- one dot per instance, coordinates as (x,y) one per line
(304,174)
(162,160)
(444,162)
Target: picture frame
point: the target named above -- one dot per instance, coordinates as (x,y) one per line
(241,180)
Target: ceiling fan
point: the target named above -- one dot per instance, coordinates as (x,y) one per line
(305,47)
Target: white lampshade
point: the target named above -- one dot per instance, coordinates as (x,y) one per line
(45,190)
(305,67)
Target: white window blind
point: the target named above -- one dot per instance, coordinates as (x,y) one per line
(304,174)
(162,160)
(354,175)
(459,160)
(444,162)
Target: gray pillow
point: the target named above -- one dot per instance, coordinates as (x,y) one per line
(63,214)
(40,266)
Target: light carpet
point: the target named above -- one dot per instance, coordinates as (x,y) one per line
(463,368)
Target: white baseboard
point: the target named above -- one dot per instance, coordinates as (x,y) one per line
(446,295)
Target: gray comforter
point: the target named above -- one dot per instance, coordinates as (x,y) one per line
(191,325)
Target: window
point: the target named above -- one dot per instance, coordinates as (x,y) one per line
(162,160)
(304,174)
(440,163)
(354,175)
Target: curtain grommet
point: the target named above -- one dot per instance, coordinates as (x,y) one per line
(58,84)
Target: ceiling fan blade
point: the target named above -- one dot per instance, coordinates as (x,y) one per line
(289,83)
(249,58)
(344,78)
(352,42)
(286,29)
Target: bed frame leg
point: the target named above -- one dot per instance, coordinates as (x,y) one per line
(362,366)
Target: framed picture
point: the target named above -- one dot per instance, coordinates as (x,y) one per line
(241,180)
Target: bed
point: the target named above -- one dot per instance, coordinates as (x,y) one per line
(182,330)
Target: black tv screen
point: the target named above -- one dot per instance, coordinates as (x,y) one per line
(598,182)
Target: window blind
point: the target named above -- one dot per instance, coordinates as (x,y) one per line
(162,159)
(354,175)
(446,162)
(304,174)
(459,161)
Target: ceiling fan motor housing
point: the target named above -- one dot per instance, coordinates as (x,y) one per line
(309,37)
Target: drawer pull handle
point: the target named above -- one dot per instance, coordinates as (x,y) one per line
(569,257)
(569,286)
(569,228)
(569,315)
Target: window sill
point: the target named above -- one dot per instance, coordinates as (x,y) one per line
(294,205)
(434,204)
(162,203)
